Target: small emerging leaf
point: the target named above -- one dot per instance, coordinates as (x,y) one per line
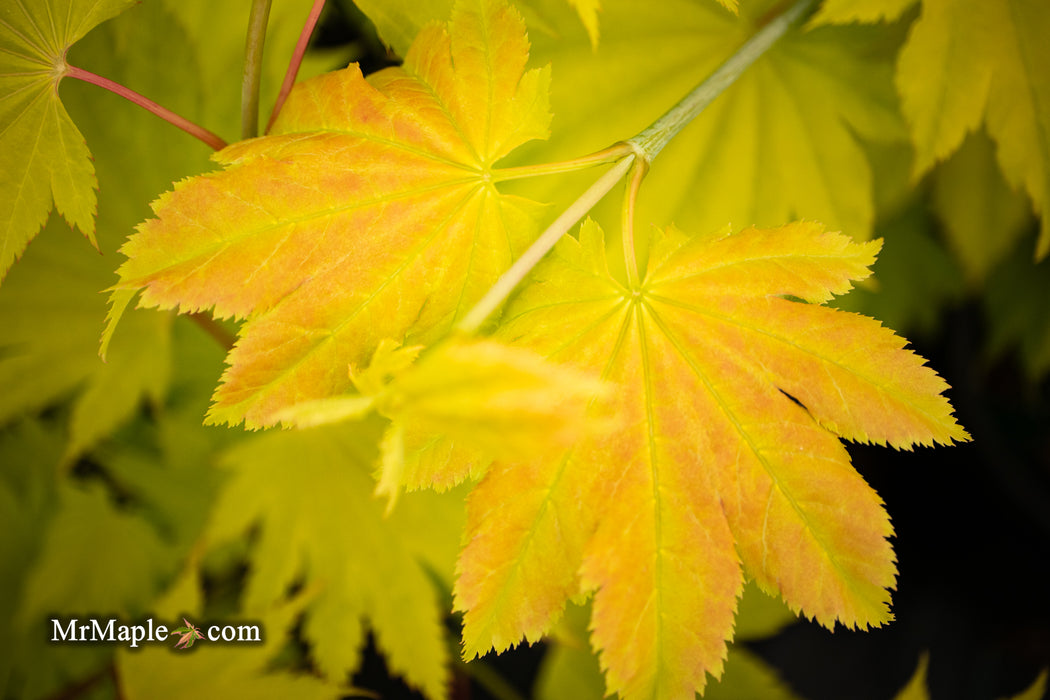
(466,402)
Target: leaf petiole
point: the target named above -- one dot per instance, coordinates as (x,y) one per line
(164,113)
(634,272)
(296,61)
(607,155)
(638,152)
(652,140)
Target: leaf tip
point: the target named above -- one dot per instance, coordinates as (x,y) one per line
(118,304)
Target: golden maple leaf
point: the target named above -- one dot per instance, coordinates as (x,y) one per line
(369,213)
(733,394)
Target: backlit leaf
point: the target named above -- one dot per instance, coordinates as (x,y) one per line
(730,465)
(45,159)
(773,147)
(972,61)
(368,214)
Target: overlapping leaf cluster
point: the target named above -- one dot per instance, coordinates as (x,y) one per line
(647,446)
(370,213)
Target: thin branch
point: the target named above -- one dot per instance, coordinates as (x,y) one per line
(606,155)
(641,149)
(164,113)
(297,60)
(653,139)
(253,54)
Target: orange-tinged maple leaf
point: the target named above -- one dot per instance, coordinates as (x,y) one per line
(718,473)
(369,213)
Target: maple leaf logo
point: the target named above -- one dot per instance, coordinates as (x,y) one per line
(189,633)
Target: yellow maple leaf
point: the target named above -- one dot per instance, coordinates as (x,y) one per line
(733,395)
(369,213)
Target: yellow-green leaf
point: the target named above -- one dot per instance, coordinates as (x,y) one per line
(469,401)
(733,398)
(973,61)
(844,11)
(915,689)
(368,214)
(50,313)
(155,672)
(771,148)
(310,492)
(44,158)
(983,216)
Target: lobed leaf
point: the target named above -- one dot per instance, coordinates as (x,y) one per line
(318,523)
(771,148)
(729,465)
(153,672)
(45,160)
(469,401)
(50,311)
(369,213)
(968,62)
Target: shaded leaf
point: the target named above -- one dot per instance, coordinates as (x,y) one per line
(970,61)
(1017,307)
(916,686)
(844,11)
(94,559)
(369,214)
(982,215)
(718,472)
(45,159)
(154,672)
(29,452)
(1034,691)
(50,314)
(311,493)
